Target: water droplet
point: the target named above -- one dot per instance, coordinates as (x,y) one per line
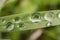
(49,24)
(17,20)
(49,16)
(21,25)
(3,21)
(10,26)
(36,17)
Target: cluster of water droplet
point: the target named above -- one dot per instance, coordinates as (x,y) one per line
(34,18)
(37,17)
(10,25)
(48,16)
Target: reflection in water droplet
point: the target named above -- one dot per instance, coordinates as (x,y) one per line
(17,20)
(10,26)
(49,16)
(36,17)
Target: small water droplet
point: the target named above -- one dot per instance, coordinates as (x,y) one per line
(21,25)
(10,26)
(49,24)
(49,16)
(36,17)
(3,21)
(17,20)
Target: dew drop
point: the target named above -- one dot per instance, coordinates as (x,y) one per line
(21,25)
(17,20)
(3,21)
(49,24)
(10,26)
(36,17)
(49,16)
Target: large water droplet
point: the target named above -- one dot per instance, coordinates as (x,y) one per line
(10,26)
(49,16)
(36,17)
